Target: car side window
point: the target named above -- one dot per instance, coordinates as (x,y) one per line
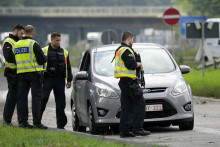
(85,66)
(84,62)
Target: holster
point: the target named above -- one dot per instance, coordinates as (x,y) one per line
(135,89)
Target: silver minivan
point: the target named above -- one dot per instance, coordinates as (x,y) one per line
(95,98)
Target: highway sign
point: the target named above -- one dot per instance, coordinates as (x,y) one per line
(192,32)
(171,16)
(185,19)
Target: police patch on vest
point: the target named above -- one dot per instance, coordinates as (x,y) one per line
(21,50)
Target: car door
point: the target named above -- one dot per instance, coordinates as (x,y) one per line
(83,90)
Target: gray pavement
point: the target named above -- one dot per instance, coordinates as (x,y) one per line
(205,133)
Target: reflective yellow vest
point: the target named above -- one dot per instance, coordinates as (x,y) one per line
(25,57)
(12,43)
(45,49)
(120,69)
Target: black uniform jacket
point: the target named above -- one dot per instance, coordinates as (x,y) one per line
(55,64)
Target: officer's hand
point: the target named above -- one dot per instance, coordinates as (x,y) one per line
(139,64)
(68,85)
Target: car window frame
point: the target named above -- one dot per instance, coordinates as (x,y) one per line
(86,64)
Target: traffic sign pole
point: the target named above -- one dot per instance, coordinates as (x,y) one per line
(203,51)
(171,17)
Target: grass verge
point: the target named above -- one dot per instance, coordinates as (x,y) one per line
(207,86)
(2,70)
(14,136)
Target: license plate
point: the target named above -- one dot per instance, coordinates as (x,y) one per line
(158,107)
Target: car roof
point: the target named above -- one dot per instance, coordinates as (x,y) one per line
(110,47)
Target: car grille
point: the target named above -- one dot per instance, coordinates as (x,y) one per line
(168,110)
(154,90)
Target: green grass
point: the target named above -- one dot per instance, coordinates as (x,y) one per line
(18,137)
(208,86)
(2,70)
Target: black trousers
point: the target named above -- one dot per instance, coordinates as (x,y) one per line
(11,99)
(25,82)
(58,87)
(132,110)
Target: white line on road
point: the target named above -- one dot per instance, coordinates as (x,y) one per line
(207,130)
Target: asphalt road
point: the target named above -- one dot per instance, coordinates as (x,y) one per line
(206,132)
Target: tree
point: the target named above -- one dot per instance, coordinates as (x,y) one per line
(208,8)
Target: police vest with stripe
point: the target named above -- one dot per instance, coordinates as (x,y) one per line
(120,69)
(12,43)
(25,57)
(45,49)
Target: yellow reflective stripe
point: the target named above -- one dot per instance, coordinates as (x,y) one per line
(123,70)
(27,61)
(30,50)
(9,40)
(11,64)
(28,67)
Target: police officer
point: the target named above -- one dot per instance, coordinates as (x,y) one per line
(29,59)
(10,72)
(57,69)
(132,107)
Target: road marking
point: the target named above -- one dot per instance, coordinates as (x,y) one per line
(54,109)
(207,130)
(3,94)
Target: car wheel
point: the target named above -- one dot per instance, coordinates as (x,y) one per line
(92,127)
(75,121)
(187,126)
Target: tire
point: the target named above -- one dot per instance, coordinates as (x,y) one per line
(92,126)
(187,126)
(75,121)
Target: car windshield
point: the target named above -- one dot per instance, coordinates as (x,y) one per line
(155,61)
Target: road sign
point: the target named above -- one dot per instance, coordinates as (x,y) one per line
(192,32)
(185,19)
(109,36)
(171,16)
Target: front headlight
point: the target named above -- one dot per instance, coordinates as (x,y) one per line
(179,88)
(105,91)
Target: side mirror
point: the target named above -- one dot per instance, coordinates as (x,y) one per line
(81,75)
(184,69)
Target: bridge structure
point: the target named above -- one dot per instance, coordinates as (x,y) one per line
(80,20)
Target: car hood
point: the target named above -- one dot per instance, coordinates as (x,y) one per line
(165,80)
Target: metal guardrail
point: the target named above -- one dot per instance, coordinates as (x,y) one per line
(124,11)
(214,63)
